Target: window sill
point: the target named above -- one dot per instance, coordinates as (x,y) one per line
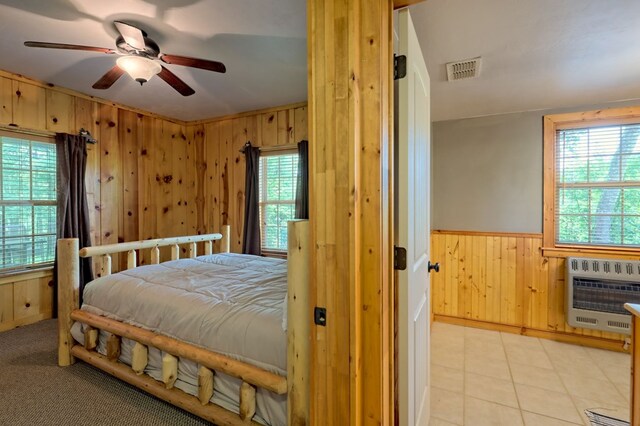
(274,253)
(595,251)
(25,274)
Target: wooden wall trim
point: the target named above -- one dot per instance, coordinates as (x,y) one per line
(549,182)
(569,119)
(52,87)
(9,278)
(249,113)
(487,234)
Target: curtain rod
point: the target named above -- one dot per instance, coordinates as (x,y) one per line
(288,147)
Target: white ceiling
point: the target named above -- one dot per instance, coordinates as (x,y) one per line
(537,54)
(262,43)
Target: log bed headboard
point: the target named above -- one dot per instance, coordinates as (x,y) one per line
(296,384)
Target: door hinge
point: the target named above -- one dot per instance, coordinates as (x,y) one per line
(399,258)
(399,66)
(320,316)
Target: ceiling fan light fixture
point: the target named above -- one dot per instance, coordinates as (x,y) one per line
(141,69)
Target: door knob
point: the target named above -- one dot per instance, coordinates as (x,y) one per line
(434,266)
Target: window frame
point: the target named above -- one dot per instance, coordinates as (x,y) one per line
(31,137)
(575,120)
(280,151)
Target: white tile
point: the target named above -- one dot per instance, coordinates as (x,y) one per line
(559,350)
(617,411)
(446,405)
(518,340)
(579,367)
(625,391)
(437,422)
(449,329)
(615,365)
(490,389)
(548,403)
(604,357)
(451,379)
(534,357)
(446,358)
(453,345)
(491,350)
(483,413)
(484,335)
(532,419)
(487,367)
(536,376)
(596,390)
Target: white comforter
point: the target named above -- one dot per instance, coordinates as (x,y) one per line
(229,303)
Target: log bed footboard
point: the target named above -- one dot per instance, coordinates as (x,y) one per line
(298,336)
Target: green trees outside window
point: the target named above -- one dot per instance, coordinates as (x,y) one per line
(277,198)
(598,186)
(27,202)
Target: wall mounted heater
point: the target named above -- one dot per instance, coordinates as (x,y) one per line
(597,289)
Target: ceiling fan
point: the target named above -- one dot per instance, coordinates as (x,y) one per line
(140,58)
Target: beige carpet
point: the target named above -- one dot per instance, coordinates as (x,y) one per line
(35,391)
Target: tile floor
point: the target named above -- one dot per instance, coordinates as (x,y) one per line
(481,377)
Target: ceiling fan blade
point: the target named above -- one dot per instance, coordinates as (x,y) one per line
(68,46)
(173,81)
(109,78)
(132,35)
(204,64)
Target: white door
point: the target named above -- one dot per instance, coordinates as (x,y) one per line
(412,170)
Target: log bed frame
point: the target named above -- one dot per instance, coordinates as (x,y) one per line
(295,385)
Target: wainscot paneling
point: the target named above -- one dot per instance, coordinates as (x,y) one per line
(148,176)
(501,281)
(25,298)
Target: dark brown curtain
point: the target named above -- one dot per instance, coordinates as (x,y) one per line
(73,210)
(302,185)
(251,237)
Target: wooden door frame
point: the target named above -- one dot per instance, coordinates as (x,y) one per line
(350,64)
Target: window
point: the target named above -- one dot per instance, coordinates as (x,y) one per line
(592,181)
(27,202)
(278,175)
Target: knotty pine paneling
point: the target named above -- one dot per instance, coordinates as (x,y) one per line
(224,168)
(149,177)
(25,299)
(504,280)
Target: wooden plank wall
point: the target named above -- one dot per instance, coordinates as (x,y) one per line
(223,166)
(350,104)
(494,280)
(148,176)
(116,191)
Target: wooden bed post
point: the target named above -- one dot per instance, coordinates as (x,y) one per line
(225,246)
(298,323)
(68,293)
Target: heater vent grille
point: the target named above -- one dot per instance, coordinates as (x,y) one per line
(462,70)
(597,290)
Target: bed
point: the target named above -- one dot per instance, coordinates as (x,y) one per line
(218,334)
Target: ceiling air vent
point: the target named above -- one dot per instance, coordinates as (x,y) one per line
(461,70)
